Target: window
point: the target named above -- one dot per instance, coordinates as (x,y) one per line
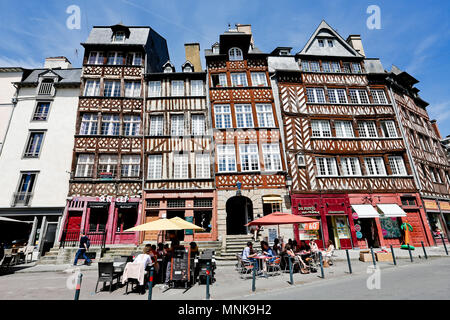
(244,118)
(202,165)
(346,67)
(46,87)
(397,165)
(379,96)
(320,128)
(388,128)
(177,125)
(259,79)
(330,43)
(367,129)
(433,175)
(41,111)
(107,166)
(219,80)
(176,203)
(131,125)
(359,96)
(132,89)
(301,160)
(226,158)
(152,203)
(198,124)
(235,54)
(89,124)
(25,189)
(321,43)
(85,166)
(187,68)
(249,157)
(34,145)
(272,157)
(197,88)
(314,66)
(350,167)
(305,66)
(154,166)
(180,166)
(134,59)
(110,125)
(115,58)
(326,166)
(222,114)
(203,203)
(337,95)
(239,79)
(315,95)
(177,88)
(131,166)
(156,125)
(326,66)
(95,57)
(169,69)
(154,89)
(375,166)
(408,201)
(112,89)
(119,36)
(356,68)
(438,175)
(92,88)
(265,116)
(344,129)
(335,67)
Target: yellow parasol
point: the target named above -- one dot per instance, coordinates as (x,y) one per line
(185,225)
(157,225)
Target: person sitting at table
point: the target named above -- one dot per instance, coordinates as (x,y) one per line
(291,254)
(329,252)
(276,247)
(267,251)
(145,257)
(194,249)
(294,246)
(248,254)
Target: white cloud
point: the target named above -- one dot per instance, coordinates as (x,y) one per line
(27,63)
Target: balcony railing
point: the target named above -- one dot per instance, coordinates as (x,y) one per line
(22,199)
(46,88)
(71,238)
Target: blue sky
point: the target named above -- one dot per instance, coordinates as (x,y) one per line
(414,34)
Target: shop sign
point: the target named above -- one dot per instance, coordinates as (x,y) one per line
(445,206)
(308,210)
(337,212)
(430,205)
(355,216)
(311,226)
(357,228)
(359,235)
(107,198)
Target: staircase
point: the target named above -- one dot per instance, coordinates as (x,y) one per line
(235,244)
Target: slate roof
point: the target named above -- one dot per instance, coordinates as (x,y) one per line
(103,35)
(66,75)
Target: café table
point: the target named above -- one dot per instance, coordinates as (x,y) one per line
(260,258)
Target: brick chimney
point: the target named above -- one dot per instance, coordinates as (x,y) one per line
(436,129)
(57,62)
(192,52)
(354,40)
(246,28)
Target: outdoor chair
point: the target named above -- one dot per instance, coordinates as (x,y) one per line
(6,262)
(106,274)
(29,252)
(245,267)
(274,266)
(295,262)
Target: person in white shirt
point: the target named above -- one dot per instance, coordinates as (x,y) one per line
(145,257)
(248,254)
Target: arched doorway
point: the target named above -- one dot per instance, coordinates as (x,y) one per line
(239,213)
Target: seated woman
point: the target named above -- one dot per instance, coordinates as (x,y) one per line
(329,252)
(304,250)
(291,254)
(145,257)
(267,251)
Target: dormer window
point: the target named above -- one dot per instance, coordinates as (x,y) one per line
(284,52)
(168,69)
(330,43)
(215,49)
(46,87)
(187,68)
(235,54)
(119,36)
(321,43)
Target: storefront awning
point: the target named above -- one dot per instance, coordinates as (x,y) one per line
(272,199)
(365,211)
(391,210)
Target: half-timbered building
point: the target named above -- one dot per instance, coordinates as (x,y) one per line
(344,147)
(107,176)
(429,159)
(178,144)
(250,172)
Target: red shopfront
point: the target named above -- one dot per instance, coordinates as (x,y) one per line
(334,213)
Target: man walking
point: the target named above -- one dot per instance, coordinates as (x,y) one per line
(84,247)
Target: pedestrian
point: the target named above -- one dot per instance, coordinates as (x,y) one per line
(84,247)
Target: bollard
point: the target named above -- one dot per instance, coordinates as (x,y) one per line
(410,254)
(443,242)
(150,283)
(373,257)
(78,288)
(255,263)
(348,261)
(321,265)
(424,252)
(291,271)
(393,256)
(207,280)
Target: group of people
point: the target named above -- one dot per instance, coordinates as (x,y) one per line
(299,252)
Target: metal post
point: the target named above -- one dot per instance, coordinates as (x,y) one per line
(255,263)
(373,257)
(291,271)
(321,265)
(443,242)
(207,281)
(393,256)
(150,283)
(410,254)
(424,251)
(348,261)
(78,287)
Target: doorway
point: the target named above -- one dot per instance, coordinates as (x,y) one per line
(97,219)
(178,234)
(339,232)
(73,226)
(369,232)
(239,213)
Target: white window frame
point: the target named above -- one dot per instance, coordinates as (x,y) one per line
(122,33)
(130,166)
(202,165)
(154,169)
(226,158)
(244,115)
(249,157)
(92,88)
(197,88)
(117,58)
(110,124)
(388,128)
(180,166)
(337,95)
(89,124)
(222,115)
(235,54)
(344,129)
(156,125)
(154,88)
(272,157)
(177,125)
(264,113)
(109,163)
(198,124)
(34,146)
(98,59)
(115,88)
(326,167)
(134,58)
(315,95)
(351,166)
(132,89)
(320,129)
(85,166)
(238,79)
(131,125)
(397,165)
(259,79)
(375,166)
(379,96)
(177,88)
(367,129)
(359,96)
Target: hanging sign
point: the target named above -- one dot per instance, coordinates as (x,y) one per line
(359,235)
(355,216)
(357,228)
(311,226)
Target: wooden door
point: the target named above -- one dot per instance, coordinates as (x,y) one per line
(73,226)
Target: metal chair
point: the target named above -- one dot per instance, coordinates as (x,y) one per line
(245,267)
(274,266)
(29,252)
(106,274)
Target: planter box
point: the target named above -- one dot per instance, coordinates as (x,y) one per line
(383,256)
(365,256)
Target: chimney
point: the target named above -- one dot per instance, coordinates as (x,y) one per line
(354,40)
(57,62)
(192,51)
(246,28)
(436,129)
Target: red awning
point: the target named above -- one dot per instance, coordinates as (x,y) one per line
(280,218)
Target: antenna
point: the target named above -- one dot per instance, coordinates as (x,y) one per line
(229,26)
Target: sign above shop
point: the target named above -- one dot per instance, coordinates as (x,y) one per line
(308,210)
(107,198)
(445,206)
(430,205)
(311,226)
